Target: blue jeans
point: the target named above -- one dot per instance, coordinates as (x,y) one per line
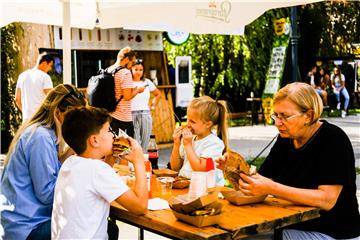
(345,93)
(42,232)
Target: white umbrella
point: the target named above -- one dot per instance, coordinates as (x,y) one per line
(199,17)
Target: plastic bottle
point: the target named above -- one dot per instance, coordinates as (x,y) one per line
(210,173)
(153,152)
(148,171)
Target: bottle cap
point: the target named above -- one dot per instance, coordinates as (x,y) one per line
(209,164)
(152,136)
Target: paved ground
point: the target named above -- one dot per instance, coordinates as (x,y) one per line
(249,141)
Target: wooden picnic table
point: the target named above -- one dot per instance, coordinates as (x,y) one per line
(236,221)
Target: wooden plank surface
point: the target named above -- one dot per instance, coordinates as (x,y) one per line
(164,222)
(252,219)
(236,221)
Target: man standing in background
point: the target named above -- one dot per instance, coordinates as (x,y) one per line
(33,85)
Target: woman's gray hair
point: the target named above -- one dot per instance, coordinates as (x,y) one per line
(303,96)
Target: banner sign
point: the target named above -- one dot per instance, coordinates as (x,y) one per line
(276,66)
(111,39)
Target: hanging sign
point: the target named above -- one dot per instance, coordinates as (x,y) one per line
(276,66)
(177,38)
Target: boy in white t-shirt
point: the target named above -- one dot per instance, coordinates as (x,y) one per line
(87,184)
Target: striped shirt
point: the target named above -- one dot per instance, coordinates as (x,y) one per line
(123,80)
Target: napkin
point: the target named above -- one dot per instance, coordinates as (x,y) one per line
(157,204)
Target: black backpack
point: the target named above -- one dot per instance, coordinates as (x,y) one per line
(101,90)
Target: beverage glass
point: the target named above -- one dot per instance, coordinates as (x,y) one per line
(198,185)
(131,182)
(164,186)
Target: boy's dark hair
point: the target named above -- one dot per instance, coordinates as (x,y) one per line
(80,123)
(45,57)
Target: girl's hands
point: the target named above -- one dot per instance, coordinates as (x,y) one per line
(221,161)
(255,185)
(177,135)
(187,136)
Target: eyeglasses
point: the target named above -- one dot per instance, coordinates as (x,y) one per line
(139,61)
(274,116)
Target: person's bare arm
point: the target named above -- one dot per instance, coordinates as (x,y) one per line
(324,197)
(136,200)
(130,93)
(197,164)
(18,98)
(155,99)
(46,90)
(175,161)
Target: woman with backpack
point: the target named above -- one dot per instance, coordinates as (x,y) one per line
(124,90)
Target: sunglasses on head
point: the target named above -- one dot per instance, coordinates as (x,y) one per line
(139,61)
(77,94)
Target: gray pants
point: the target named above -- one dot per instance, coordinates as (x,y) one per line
(142,126)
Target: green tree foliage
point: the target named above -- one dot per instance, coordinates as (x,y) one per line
(327,30)
(230,67)
(10,116)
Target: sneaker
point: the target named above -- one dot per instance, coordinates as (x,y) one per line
(338,106)
(343,113)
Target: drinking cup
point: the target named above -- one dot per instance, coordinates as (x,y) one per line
(164,185)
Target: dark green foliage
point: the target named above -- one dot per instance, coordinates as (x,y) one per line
(10,116)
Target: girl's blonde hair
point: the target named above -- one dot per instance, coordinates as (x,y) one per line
(62,97)
(214,111)
(303,96)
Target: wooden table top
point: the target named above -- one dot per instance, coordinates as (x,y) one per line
(236,221)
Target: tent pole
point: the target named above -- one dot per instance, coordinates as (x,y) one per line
(66,43)
(294,39)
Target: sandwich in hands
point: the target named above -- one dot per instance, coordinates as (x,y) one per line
(235,164)
(121,146)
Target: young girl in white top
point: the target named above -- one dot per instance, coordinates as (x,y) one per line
(196,142)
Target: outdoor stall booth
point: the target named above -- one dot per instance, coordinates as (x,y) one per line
(98,48)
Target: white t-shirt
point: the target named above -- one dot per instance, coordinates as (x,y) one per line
(141,100)
(83,193)
(337,80)
(32,83)
(209,147)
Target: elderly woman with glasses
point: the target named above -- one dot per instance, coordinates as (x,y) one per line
(32,165)
(311,163)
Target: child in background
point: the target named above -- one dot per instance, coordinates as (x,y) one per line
(195,143)
(86,184)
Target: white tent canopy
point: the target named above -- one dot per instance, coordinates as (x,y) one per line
(199,17)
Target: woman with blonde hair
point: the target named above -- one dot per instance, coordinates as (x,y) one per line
(32,165)
(196,142)
(311,163)
(124,90)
